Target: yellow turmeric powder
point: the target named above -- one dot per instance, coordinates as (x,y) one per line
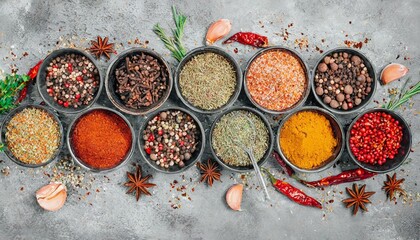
(307,139)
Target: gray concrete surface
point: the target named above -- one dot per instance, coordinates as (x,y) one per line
(37,27)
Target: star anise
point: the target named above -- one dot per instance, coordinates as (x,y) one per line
(393,185)
(138,184)
(359,198)
(209,172)
(102,47)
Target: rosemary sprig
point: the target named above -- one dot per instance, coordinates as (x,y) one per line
(178,33)
(174,44)
(404,96)
(9,88)
(169,42)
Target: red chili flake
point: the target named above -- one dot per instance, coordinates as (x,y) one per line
(235,50)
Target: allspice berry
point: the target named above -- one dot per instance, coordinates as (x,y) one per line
(348,89)
(334,104)
(319,91)
(327,99)
(322,67)
(356,60)
(334,66)
(340,97)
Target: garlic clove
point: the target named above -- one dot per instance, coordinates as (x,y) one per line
(52,197)
(393,72)
(218,30)
(234,197)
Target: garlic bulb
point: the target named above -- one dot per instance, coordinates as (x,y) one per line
(234,197)
(393,72)
(52,197)
(218,30)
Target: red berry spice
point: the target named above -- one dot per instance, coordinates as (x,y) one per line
(375,138)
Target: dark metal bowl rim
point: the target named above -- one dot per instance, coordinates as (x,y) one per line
(220,51)
(46,98)
(402,121)
(326,166)
(270,135)
(117,60)
(301,101)
(18,110)
(80,162)
(149,161)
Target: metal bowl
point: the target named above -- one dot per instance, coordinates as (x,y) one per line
(337,130)
(173,169)
(81,162)
(303,64)
(371,70)
(243,168)
(42,87)
(3,135)
(403,152)
(219,51)
(110,81)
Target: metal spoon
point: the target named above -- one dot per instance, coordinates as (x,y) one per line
(250,153)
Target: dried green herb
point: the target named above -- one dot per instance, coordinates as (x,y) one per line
(235,126)
(174,44)
(208,81)
(10,86)
(33,136)
(404,96)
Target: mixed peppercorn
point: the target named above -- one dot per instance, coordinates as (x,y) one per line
(170,138)
(72,80)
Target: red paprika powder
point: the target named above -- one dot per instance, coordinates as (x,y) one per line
(101,139)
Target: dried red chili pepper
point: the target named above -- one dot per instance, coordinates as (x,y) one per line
(344,177)
(248,38)
(286,168)
(33,72)
(292,192)
(22,94)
